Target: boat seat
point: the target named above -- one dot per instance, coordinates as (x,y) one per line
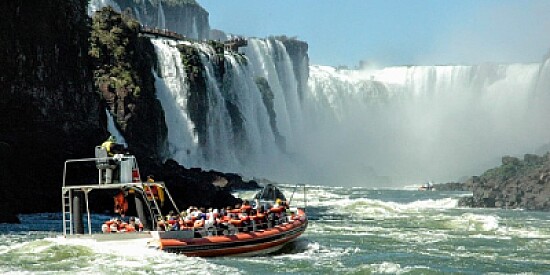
(101,152)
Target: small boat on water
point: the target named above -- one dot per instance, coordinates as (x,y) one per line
(429,186)
(261,226)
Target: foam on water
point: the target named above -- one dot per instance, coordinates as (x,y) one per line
(90,256)
(352,231)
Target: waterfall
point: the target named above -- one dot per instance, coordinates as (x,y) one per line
(113,130)
(380,126)
(194,29)
(425,122)
(395,125)
(269,59)
(239,135)
(173,92)
(161,20)
(95,5)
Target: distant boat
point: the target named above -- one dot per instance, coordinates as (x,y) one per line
(429,186)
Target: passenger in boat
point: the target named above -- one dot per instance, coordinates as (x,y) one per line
(156,191)
(170,215)
(134,224)
(161,225)
(121,227)
(109,226)
(245,220)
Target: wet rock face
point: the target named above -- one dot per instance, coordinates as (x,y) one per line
(297,50)
(122,63)
(49,110)
(515,184)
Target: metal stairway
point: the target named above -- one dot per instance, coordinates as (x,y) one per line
(152,203)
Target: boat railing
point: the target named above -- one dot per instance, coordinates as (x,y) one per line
(303,185)
(226,228)
(128,177)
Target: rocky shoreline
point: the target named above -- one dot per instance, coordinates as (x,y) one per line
(516,183)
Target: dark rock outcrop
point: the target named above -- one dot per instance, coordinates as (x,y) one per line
(515,184)
(201,188)
(53,104)
(452,186)
(49,110)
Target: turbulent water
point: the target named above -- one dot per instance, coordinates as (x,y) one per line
(351,230)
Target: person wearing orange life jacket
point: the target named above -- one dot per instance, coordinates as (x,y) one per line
(132,226)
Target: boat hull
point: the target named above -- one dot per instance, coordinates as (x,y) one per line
(242,244)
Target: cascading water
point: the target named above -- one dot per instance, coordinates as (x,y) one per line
(113,130)
(239,137)
(95,5)
(269,59)
(373,126)
(424,122)
(161,21)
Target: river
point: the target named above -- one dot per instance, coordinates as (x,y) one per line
(351,231)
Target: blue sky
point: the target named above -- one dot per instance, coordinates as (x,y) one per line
(390,32)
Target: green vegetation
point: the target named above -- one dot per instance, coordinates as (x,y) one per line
(112,50)
(513,167)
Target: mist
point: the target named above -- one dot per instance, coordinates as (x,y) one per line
(407,125)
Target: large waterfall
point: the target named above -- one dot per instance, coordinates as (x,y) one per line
(245,142)
(386,126)
(426,122)
(374,126)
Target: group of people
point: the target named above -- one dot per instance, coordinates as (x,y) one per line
(115,225)
(231,220)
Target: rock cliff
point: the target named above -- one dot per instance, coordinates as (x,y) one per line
(515,184)
(60,71)
(49,109)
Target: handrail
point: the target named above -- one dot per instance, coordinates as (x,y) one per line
(292,195)
(87,187)
(123,157)
(264,225)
